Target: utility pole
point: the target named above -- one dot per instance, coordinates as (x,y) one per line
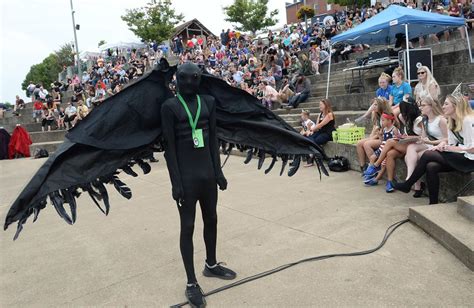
(78,63)
(305,19)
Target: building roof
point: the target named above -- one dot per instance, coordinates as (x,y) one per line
(183,27)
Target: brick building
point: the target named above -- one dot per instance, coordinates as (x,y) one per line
(319,6)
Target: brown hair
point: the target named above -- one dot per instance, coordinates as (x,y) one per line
(327,103)
(383,106)
(399,72)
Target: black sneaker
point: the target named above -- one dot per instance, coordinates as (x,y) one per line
(219,271)
(195,296)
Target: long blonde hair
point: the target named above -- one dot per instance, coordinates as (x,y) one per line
(430,80)
(435,105)
(462,109)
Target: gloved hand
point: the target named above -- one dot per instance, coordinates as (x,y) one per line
(221,182)
(178,193)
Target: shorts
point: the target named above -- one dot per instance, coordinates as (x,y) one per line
(37,114)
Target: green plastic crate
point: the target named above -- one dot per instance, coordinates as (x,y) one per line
(349,135)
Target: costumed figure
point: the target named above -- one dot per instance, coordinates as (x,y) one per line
(19,145)
(144,117)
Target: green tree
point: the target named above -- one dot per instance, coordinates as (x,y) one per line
(251,15)
(65,55)
(45,72)
(351,3)
(153,23)
(101,42)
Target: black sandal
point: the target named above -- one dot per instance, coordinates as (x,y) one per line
(419,193)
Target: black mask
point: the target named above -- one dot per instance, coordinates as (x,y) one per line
(188,78)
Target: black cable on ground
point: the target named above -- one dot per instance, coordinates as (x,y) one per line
(389,232)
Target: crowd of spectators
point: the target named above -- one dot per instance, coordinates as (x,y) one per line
(105,77)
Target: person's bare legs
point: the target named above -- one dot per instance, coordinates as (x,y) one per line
(411,159)
(390,144)
(360,152)
(370,146)
(391,163)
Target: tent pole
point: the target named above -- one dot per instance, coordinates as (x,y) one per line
(408,53)
(468,44)
(329,71)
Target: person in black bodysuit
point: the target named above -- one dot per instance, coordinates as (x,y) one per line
(195,172)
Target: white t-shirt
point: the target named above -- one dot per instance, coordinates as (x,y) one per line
(270,93)
(294,36)
(307,124)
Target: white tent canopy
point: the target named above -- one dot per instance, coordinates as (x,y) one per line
(123,45)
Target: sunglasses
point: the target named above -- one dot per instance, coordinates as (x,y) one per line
(421,73)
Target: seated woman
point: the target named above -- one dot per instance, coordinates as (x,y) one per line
(365,147)
(435,131)
(394,148)
(383,91)
(456,154)
(321,133)
(400,90)
(325,124)
(426,86)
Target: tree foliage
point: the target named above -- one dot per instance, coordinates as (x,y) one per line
(305,11)
(65,54)
(351,3)
(153,23)
(101,42)
(47,71)
(251,15)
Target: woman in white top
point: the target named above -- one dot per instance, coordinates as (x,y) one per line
(427,85)
(456,154)
(435,131)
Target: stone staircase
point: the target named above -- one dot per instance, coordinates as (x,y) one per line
(451,224)
(450,67)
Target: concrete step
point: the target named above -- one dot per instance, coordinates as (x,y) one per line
(445,225)
(50,146)
(24,118)
(466,207)
(30,127)
(55,135)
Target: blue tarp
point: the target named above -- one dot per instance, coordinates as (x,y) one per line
(382,28)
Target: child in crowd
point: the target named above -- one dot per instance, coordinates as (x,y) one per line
(60,118)
(37,110)
(388,131)
(306,123)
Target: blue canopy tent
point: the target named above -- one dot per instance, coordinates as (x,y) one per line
(383,28)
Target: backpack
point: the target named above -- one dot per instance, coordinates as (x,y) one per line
(40,153)
(338,164)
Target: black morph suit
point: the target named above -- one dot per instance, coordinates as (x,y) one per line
(193,172)
(128,126)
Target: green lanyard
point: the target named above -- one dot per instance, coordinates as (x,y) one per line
(190,117)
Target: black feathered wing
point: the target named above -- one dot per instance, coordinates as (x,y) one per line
(117,134)
(244,123)
(126,128)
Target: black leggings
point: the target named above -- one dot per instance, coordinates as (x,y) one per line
(187,213)
(431,163)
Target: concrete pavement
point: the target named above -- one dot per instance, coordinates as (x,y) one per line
(131,257)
